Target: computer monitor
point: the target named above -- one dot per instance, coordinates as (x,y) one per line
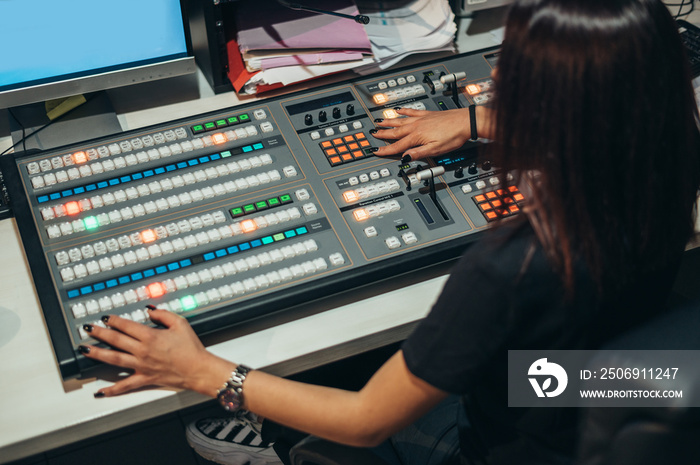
(54,49)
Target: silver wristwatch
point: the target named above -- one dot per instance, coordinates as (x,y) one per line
(230,396)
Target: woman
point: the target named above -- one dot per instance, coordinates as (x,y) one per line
(594,106)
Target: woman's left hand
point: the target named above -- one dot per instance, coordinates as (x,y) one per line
(171,356)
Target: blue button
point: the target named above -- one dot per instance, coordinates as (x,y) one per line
(203,159)
(173,266)
(114,182)
(215,156)
(256,243)
(111,283)
(125,178)
(289,234)
(99,287)
(67,193)
(257,146)
(209,256)
(123,279)
(221,253)
(102,184)
(79,190)
(148,273)
(137,276)
(160,170)
(186,262)
(55,196)
(182,164)
(170,168)
(161,269)
(43,198)
(302,230)
(85,290)
(233,249)
(192,162)
(72,294)
(247,149)
(244,246)
(147,173)
(136,176)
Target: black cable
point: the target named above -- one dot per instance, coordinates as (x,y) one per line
(361,19)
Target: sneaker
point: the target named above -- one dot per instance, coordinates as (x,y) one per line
(231,440)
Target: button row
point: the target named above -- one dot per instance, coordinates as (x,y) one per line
(227,121)
(366,177)
(401,81)
(378,209)
(370,190)
(383,98)
(328,132)
(500,203)
(157,289)
(154,187)
(105,151)
(346,149)
(183,164)
(178,264)
(261,205)
(390,113)
(162,204)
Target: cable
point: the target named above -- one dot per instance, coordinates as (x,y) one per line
(361,19)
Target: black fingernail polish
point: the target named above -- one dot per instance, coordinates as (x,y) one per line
(373,149)
(397,108)
(406,159)
(99,395)
(378,120)
(373,131)
(84,349)
(87,328)
(151,307)
(105,319)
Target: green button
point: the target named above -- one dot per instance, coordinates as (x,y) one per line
(225,154)
(262,205)
(244,117)
(188,303)
(250,208)
(90,222)
(209,126)
(197,128)
(232,120)
(278,237)
(221,123)
(273,202)
(238,211)
(286,198)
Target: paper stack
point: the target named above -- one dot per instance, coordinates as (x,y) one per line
(276,46)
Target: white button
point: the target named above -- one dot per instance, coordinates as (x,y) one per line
(329,132)
(494,181)
(382,85)
(336,259)
(409,238)
(302,194)
(391,83)
(67,274)
(374,175)
(289,171)
(343,128)
(392,242)
(33,168)
(480,185)
(466,188)
(310,209)
(401,81)
(370,231)
(364,178)
(357,124)
(38,182)
(79,310)
(92,267)
(353,181)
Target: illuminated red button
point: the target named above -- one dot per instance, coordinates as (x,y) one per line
(72,208)
(148,235)
(156,290)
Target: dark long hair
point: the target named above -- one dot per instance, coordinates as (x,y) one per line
(595,96)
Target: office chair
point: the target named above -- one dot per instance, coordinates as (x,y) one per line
(612,435)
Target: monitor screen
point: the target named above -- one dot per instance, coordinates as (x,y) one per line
(55,49)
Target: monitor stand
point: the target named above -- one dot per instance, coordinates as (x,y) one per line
(94,118)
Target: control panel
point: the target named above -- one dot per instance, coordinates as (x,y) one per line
(234,215)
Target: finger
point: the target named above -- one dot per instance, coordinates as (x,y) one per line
(166,318)
(424,151)
(109,356)
(397,148)
(115,339)
(413,112)
(131,328)
(131,383)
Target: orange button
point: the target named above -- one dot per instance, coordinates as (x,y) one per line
(331,152)
(500,192)
(364,143)
(350,196)
(518,197)
(473,89)
(358,154)
(338,141)
(72,208)
(353,146)
(480,198)
(485,206)
(491,195)
(218,138)
(156,290)
(508,200)
(342,149)
(148,235)
(360,214)
(514,209)
(79,157)
(496,203)
(326,144)
(349,139)
(513,188)
(335,160)
(248,226)
(346,157)
(491,215)
(360,135)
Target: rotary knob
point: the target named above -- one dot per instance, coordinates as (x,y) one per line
(308,120)
(336,112)
(322,116)
(350,109)
(459,172)
(472,169)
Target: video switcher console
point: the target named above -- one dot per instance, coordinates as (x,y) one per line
(233,215)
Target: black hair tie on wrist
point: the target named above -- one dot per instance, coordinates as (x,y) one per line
(472,121)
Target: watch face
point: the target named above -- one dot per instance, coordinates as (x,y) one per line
(230,400)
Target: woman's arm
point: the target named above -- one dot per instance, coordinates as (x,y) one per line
(429,133)
(174,357)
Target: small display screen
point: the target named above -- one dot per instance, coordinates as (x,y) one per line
(324,102)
